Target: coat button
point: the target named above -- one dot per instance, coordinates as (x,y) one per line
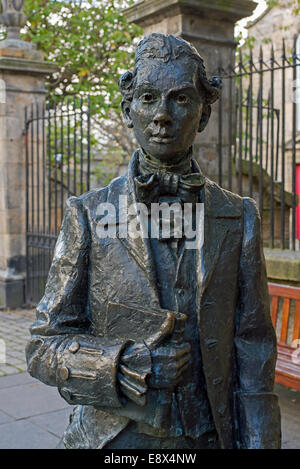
(74,347)
(217,381)
(66,394)
(64,373)
(180,292)
(210,343)
(222,409)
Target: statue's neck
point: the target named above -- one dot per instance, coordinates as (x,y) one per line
(151,164)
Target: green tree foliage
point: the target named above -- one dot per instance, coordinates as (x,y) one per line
(92,44)
(90,41)
(296,9)
(294,3)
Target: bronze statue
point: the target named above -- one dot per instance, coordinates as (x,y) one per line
(160,343)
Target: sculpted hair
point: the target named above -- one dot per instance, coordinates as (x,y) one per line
(165,48)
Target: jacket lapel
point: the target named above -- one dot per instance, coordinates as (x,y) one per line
(129,215)
(217,211)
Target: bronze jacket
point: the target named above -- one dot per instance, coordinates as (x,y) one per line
(69,348)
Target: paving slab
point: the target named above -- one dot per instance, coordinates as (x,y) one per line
(14,334)
(14,361)
(25,435)
(32,415)
(289,401)
(16,380)
(10,370)
(4,418)
(27,400)
(53,422)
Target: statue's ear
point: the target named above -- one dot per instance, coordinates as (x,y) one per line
(126,113)
(206,111)
(125,86)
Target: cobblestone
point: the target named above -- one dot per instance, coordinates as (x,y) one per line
(14,335)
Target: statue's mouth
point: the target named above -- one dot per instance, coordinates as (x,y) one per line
(162,139)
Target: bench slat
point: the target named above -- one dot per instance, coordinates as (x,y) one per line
(274,309)
(288,381)
(284,291)
(285,319)
(296,331)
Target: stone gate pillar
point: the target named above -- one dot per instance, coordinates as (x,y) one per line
(22,76)
(209,26)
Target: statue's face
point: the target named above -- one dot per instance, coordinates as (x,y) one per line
(166,108)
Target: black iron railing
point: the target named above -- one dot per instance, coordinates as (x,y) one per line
(262,135)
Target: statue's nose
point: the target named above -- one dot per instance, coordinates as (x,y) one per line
(162,116)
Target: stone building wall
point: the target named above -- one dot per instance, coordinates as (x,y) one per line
(276,23)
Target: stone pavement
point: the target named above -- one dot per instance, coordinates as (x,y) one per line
(34,416)
(14,334)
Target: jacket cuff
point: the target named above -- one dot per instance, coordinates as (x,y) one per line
(87,372)
(258,416)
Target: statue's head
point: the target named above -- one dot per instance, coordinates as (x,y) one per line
(167,98)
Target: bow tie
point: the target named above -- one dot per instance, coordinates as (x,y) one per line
(150,187)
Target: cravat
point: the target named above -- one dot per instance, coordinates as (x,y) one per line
(150,187)
(155,186)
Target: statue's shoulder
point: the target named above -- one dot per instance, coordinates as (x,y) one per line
(228,204)
(103,194)
(222,199)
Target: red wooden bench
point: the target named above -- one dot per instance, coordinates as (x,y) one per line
(287,370)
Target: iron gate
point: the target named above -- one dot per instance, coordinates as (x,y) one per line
(58,149)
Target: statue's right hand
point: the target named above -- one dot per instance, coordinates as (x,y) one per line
(170,355)
(169,362)
(159,361)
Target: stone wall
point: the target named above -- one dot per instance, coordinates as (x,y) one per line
(22,72)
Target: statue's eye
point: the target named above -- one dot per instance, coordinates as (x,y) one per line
(147,98)
(182,99)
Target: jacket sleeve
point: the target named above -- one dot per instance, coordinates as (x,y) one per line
(62,351)
(258,414)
